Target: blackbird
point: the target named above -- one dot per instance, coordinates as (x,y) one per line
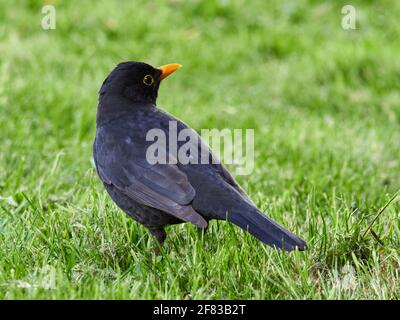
(161,194)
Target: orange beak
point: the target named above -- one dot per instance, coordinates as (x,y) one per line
(168,69)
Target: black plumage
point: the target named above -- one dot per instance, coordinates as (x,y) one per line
(157,195)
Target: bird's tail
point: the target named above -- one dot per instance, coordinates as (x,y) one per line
(266,230)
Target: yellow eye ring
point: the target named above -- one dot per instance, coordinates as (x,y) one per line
(148,80)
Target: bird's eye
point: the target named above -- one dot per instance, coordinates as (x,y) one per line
(148,80)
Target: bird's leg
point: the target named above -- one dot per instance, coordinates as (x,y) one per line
(160,235)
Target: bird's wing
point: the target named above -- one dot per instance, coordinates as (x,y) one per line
(217,165)
(214,161)
(160,186)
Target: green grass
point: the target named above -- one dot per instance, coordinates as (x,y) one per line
(325,107)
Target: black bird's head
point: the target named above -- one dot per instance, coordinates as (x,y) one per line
(136,81)
(129,85)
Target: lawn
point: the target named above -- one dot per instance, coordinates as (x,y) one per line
(324,104)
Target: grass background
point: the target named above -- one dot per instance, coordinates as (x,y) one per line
(324,103)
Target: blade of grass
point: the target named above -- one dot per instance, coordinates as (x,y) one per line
(380,211)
